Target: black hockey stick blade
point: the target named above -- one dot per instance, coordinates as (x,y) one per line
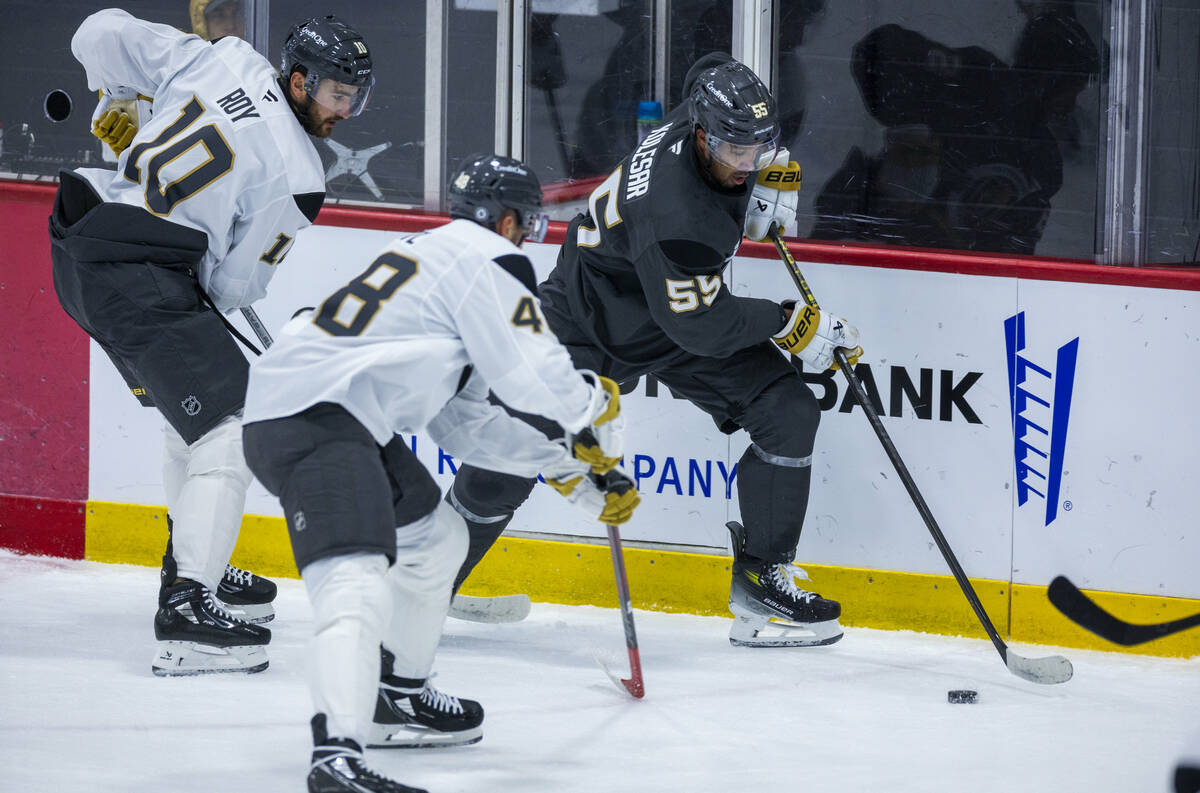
(1086,613)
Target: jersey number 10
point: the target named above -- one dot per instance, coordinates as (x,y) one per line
(171,146)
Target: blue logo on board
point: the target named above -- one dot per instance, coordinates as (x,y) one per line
(1040,399)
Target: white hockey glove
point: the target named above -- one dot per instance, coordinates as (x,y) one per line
(601,444)
(608,498)
(118,117)
(811,335)
(774,198)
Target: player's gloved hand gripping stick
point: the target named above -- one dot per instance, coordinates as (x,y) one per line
(1052,669)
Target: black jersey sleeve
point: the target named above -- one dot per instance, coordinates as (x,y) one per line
(693,306)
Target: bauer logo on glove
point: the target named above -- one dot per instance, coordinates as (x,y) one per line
(781,177)
(812,336)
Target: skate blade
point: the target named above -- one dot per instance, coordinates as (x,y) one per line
(409,736)
(254,613)
(760,632)
(183,659)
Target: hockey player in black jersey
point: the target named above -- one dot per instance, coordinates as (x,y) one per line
(638,290)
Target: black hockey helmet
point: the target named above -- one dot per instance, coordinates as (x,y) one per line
(487,184)
(738,116)
(328,48)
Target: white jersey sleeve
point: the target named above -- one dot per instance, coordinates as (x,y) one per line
(514,350)
(222,152)
(475,431)
(119,50)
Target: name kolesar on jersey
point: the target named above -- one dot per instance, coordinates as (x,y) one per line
(640,162)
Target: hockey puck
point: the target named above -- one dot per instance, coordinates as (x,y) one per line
(962,697)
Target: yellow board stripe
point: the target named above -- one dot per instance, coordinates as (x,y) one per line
(581,574)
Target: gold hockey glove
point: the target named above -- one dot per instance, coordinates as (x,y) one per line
(601,444)
(610,498)
(117,125)
(812,335)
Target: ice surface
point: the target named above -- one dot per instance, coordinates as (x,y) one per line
(80,710)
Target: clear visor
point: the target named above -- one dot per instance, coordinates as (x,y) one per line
(535,225)
(740,157)
(343,100)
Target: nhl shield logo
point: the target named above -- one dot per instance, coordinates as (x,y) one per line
(299,523)
(191,405)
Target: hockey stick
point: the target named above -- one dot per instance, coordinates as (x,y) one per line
(1086,613)
(500,608)
(1049,670)
(256,325)
(633,684)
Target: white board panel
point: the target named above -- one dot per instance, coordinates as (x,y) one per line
(938,357)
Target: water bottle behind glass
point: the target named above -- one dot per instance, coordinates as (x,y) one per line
(649,116)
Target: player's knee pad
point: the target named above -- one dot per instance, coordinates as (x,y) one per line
(782,420)
(352,606)
(218,452)
(207,505)
(430,551)
(175,462)
(428,554)
(352,586)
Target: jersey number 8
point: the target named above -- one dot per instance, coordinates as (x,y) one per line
(349,310)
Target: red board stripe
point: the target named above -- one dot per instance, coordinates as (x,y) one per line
(43,526)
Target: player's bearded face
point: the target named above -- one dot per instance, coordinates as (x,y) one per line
(332,102)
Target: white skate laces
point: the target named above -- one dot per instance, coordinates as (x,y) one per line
(238,576)
(784,577)
(440,700)
(213,604)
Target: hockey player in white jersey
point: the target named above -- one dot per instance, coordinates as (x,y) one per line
(415,343)
(215,175)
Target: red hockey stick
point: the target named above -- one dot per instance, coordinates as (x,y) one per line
(633,684)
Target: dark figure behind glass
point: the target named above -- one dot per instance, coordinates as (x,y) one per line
(971,160)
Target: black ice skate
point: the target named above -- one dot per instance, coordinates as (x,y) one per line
(770,610)
(338,767)
(196,636)
(246,595)
(412,714)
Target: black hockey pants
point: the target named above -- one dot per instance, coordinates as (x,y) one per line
(755,389)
